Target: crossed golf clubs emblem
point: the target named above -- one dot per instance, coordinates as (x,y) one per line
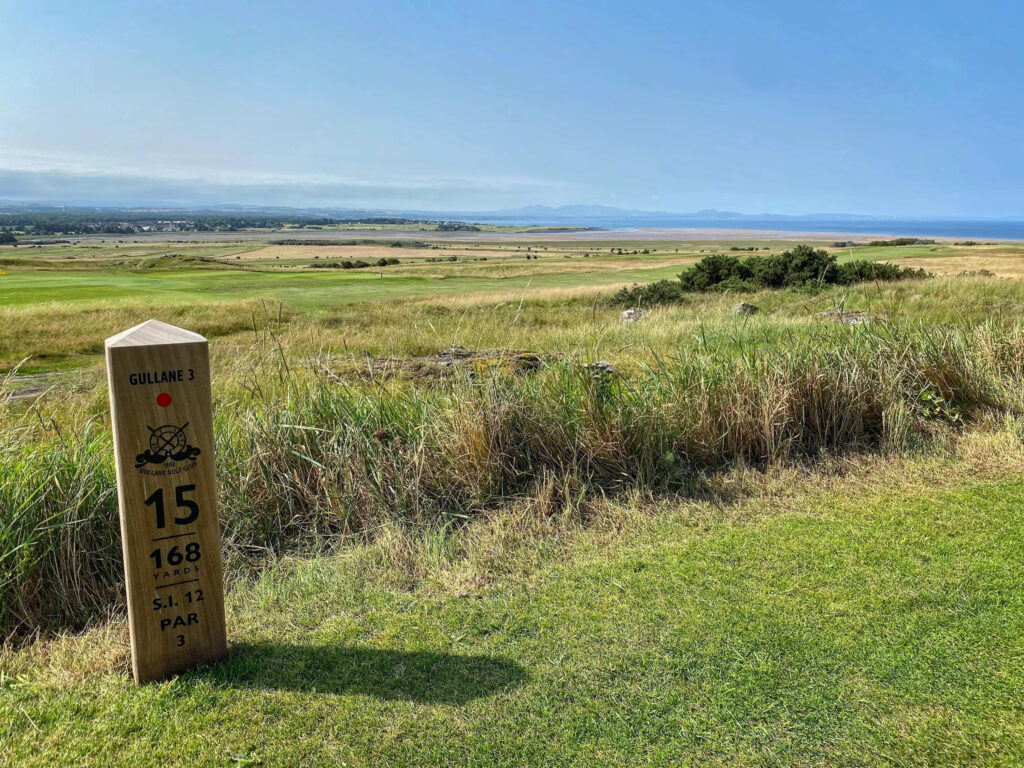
(167,441)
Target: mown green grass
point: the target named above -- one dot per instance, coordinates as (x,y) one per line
(305,290)
(874,628)
(892,253)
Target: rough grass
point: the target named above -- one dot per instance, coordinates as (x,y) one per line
(60,316)
(1000,264)
(306,462)
(54,331)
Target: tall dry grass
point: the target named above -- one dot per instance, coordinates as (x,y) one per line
(306,463)
(59,330)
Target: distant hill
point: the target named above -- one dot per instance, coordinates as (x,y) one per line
(537,213)
(577,212)
(708,214)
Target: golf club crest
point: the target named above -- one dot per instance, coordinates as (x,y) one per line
(167,442)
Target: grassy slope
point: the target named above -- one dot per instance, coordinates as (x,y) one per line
(875,628)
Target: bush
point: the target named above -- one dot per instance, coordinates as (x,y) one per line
(714,270)
(801,267)
(860,271)
(806,266)
(652,294)
(770,271)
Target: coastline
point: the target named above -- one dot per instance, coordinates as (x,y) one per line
(579,235)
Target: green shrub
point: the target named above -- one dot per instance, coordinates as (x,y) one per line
(713,270)
(800,267)
(902,241)
(860,271)
(649,295)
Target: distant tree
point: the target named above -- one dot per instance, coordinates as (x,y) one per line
(456,226)
(902,241)
(6,238)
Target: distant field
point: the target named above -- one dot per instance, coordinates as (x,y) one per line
(304,289)
(58,301)
(73,273)
(162,272)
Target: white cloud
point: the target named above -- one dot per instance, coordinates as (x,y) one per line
(26,175)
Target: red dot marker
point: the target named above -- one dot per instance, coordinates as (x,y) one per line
(163,399)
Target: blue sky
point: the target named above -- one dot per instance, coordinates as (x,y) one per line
(892,108)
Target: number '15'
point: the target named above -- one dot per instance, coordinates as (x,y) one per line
(156,500)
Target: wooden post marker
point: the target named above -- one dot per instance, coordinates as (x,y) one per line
(159,379)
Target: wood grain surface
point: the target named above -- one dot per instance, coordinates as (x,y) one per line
(159,378)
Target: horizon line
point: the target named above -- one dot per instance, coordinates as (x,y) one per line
(613,211)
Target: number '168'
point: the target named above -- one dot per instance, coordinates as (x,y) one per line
(176,556)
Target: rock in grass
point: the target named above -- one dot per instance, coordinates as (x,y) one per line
(601,370)
(451,354)
(634,315)
(743,308)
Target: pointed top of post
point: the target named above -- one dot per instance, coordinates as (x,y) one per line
(152,333)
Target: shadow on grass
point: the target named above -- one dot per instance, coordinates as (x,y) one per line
(426,677)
